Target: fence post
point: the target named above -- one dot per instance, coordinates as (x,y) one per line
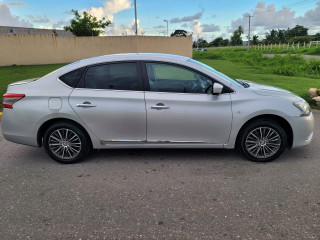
(288,46)
(304,44)
(298,45)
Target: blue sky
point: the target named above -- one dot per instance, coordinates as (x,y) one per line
(205,18)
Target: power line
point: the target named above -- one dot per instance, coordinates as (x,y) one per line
(300,3)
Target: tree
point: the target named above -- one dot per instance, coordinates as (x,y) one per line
(179,33)
(255,40)
(271,37)
(216,42)
(236,37)
(86,25)
(316,37)
(225,42)
(299,31)
(281,35)
(219,42)
(201,43)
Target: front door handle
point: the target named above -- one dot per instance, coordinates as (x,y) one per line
(86,105)
(160,106)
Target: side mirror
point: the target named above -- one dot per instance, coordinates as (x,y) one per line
(217,89)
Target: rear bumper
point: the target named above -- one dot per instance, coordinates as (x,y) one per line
(16,129)
(302,128)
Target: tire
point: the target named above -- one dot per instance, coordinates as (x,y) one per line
(66,143)
(262,141)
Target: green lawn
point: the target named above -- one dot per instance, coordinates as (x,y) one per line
(16,73)
(298,85)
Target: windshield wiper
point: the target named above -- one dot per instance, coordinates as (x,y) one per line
(244,84)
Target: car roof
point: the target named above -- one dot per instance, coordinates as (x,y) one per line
(131,56)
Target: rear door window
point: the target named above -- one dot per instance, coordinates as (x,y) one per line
(113,76)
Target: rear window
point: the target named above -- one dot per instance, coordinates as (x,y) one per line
(72,78)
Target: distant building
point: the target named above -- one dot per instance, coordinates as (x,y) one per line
(4,30)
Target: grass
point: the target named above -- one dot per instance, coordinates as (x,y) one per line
(288,65)
(281,50)
(298,85)
(290,72)
(17,73)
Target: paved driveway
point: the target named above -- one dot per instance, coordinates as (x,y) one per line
(160,194)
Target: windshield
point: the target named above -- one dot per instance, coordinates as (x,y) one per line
(238,83)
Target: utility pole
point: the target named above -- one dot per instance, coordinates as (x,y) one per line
(249,37)
(167,26)
(135,16)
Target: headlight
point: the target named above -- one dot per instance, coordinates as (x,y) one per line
(303,107)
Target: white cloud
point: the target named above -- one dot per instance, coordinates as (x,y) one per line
(38,19)
(191,18)
(60,24)
(7,19)
(113,30)
(110,8)
(267,17)
(197,28)
(311,19)
(12,3)
(160,26)
(210,28)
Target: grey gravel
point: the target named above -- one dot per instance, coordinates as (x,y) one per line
(160,194)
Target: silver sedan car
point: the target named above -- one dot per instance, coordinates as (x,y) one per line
(152,101)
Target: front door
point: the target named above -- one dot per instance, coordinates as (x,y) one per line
(180,110)
(111,102)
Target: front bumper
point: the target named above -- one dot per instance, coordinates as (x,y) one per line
(302,128)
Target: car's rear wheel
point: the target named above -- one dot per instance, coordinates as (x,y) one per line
(262,141)
(66,143)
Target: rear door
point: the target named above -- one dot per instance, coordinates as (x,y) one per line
(110,101)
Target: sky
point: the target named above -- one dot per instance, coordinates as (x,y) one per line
(208,19)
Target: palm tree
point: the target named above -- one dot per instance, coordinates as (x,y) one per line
(255,40)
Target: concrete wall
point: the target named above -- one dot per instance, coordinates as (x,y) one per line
(45,49)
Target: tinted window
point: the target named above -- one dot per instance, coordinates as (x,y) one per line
(117,76)
(72,78)
(171,78)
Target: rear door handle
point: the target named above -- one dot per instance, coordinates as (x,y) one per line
(86,105)
(160,106)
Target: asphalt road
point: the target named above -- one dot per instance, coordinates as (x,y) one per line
(159,194)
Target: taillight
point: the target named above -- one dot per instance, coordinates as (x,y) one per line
(10,98)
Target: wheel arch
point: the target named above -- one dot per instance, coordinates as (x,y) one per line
(50,122)
(280,120)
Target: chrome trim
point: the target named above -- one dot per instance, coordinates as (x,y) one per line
(105,142)
(159,107)
(107,90)
(173,142)
(85,105)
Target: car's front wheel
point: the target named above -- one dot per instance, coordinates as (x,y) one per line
(262,141)
(66,143)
